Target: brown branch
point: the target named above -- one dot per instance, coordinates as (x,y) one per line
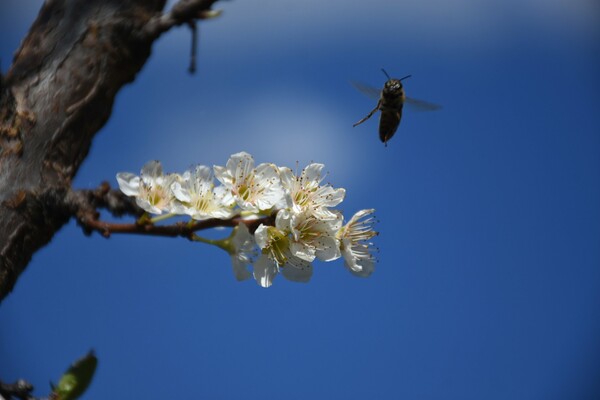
(103,197)
(55,97)
(194,49)
(179,229)
(183,12)
(20,390)
(84,205)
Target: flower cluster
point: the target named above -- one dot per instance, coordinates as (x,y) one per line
(306,227)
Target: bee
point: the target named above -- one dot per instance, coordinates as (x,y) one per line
(390,101)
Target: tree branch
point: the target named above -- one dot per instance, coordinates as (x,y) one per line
(183,12)
(84,205)
(20,390)
(178,229)
(56,96)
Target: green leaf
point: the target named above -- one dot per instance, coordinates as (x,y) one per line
(77,378)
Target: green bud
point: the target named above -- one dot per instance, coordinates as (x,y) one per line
(77,378)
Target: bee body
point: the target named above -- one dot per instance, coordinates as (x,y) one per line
(390,103)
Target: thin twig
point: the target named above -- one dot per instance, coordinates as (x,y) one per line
(20,389)
(84,205)
(184,11)
(179,229)
(194,48)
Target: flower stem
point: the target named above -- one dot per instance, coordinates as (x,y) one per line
(144,219)
(161,218)
(225,244)
(197,238)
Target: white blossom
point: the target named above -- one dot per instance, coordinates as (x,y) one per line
(306,225)
(311,237)
(305,193)
(265,271)
(276,256)
(297,270)
(243,247)
(152,189)
(199,198)
(354,244)
(273,242)
(254,189)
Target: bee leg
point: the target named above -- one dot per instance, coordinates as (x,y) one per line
(369,115)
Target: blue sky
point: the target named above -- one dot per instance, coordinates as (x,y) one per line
(487,285)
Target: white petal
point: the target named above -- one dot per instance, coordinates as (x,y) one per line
(349,260)
(241,157)
(282,203)
(246,206)
(178,208)
(261,236)
(186,176)
(203,173)
(222,176)
(224,196)
(302,251)
(265,271)
(240,269)
(180,193)
(222,213)
(328,249)
(311,175)
(336,224)
(270,198)
(146,206)
(128,183)
(335,197)
(240,165)
(366,268)
(328,196)
(269,172)
(288,178)
(359,261)
(283,219)
(242,236)
(267,186)
(360,214)
(324,214)
(297,271)
(151,170)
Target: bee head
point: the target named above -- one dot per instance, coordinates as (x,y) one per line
(393,86)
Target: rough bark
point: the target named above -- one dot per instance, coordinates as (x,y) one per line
(57,94)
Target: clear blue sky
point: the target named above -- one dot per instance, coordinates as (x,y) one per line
(488,281)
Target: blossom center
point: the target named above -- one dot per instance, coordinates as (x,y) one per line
(278,245)
(203,203)
(244,192)
(156,195)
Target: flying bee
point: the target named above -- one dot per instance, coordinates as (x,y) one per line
(390,101)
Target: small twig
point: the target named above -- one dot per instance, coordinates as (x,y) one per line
(103,197)
(20,389)
(194,48)
(179,229)
(84,205)
(184,11)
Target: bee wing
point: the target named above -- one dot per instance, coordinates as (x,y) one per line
(367,90)
(421,105)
